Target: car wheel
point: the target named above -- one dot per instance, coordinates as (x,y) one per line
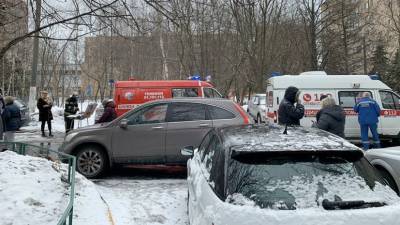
(389,179)
(259,119)
(396,141)
(91,161)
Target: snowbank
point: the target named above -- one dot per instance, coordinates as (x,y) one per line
(31,192)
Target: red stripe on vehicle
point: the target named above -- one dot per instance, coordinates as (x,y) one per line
(350,112)
(271,115)
(242,113)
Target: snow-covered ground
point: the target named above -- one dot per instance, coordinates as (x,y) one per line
(145,202)
(31,192)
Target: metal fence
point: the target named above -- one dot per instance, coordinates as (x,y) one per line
(55,156)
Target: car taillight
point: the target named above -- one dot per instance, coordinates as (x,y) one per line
(275,117)
(242,113)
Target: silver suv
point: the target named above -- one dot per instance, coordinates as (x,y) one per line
(152,133)
(256,107)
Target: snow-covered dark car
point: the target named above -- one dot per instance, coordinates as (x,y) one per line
(259,175)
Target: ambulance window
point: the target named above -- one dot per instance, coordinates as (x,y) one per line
(270,99)
(348,99)
(183,111)
(389,100)
(151,114)
(211,93)
(255,100)
(184,92)
(208,93)
(262,100)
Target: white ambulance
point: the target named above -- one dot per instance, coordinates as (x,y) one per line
(345,89)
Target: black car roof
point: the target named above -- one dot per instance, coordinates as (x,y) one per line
(270,138)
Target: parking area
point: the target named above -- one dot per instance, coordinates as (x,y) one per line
(138,197)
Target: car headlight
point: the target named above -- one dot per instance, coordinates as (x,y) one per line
(69,137)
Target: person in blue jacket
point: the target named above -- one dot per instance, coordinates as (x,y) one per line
(368,113)
(12,118)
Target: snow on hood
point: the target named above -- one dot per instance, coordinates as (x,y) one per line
(271,137)
(31,192)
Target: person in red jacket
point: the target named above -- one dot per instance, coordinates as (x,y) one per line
(109,113)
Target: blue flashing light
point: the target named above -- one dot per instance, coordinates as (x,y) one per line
(375,77)
(195,77)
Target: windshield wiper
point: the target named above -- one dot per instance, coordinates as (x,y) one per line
(338,205)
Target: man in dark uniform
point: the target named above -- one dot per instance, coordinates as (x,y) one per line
(71,108)
(290,110)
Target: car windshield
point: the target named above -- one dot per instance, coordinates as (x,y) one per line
(262,100)
(299,182)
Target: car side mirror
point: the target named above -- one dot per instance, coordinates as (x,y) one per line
(187,151)
(123,123)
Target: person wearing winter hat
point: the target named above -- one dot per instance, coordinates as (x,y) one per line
(109,113)
(332,117)
(290,109)
(44,105)
(71,108)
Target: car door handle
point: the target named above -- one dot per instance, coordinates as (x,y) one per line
(204,125)
(157,128)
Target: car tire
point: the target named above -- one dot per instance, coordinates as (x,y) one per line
(395,141)
(188,204)
(91,161)
(259,121)
(389,179)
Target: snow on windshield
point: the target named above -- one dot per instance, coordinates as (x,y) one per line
(271,137)
(309,193)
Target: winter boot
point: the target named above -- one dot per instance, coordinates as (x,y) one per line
(50,134)
(43,134)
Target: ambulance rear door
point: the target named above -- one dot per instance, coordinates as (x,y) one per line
(347,99)
(271,106)
(390,113)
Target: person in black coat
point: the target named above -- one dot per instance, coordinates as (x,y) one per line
(109,113)
(331,117)
(290,109)
(12,118)
(44,105)
(71,108)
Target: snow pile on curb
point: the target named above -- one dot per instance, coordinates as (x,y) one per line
(31,192)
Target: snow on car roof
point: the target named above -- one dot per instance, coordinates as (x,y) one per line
(271,138)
